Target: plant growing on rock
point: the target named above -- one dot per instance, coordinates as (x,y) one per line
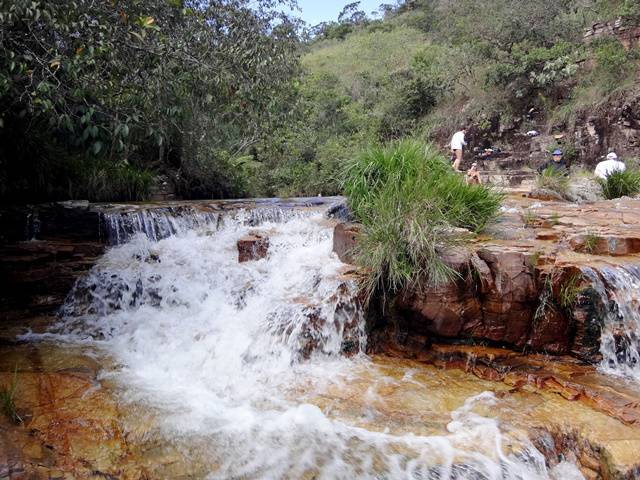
(7,399)
(590,242)
(569,292)
(529,217)
(412,206)
(554,180)
(621,184)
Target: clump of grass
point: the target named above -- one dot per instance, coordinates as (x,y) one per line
(569,292)
(553,179)
(410,204)
(546,302)
(535,258)
(529,217)
(621,184)
(554,219)
(590,242)
(7,399)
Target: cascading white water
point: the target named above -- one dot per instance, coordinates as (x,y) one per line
(235,354)
(163,222)
(620,339)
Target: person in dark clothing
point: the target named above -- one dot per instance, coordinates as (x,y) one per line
(557,162)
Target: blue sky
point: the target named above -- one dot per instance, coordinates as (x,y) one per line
(316,11)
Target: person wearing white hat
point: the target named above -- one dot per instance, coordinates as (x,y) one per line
(608,166)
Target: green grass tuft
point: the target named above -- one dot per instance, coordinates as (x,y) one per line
(530,218)
(569,292)
(621,184)
(410,204)
(554,180)
(590,242)
(7,399)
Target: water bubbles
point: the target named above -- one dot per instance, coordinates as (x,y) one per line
(240,358)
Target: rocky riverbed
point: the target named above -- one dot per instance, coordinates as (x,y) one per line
(452,373)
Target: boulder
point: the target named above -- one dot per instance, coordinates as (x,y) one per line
(252,247)
(345,237)
(584,190)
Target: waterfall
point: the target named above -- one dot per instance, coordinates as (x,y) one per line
(238,356)
(162,222)
(619,289)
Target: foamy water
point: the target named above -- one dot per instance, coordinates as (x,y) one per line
(620,340)
(238,354)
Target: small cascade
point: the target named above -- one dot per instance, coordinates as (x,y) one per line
(241,358)
(155,224)
(162,222)
(188,265)
(619,290)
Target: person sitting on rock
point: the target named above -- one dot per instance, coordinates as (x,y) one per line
(473,175)
(608,166)
(557,163)
(457,144)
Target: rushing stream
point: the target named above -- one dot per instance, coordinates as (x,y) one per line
(619,289)
(243,359)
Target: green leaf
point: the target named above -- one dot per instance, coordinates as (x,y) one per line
(96,148)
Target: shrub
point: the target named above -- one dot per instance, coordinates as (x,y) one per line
(105,181)
(410,202)
(613,61)
(621,184)
(554,180)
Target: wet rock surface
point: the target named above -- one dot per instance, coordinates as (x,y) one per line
(345,237)
(77,424)
(36,276)
(527,284)
(252,247)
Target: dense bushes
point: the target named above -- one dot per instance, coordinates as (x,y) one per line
(237,114)
(127,82)
(409,203)
(429,66)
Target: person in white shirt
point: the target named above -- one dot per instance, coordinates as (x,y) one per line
(457,145)
(608,166)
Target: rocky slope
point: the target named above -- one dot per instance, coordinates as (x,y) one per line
(528,285)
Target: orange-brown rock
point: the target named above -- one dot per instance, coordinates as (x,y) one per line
(561,375)
(606,244)
(252,247)
(345,236)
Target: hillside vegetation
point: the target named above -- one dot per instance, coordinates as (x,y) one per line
(104,105)
(430,66)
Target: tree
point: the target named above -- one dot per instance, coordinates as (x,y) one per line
(139,81)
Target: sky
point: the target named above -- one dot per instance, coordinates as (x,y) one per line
(316,11)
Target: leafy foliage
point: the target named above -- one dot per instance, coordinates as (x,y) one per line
(126,82)
(213,95)
(410,202)
(621,184)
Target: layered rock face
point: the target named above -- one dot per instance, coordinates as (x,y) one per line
(540,284)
